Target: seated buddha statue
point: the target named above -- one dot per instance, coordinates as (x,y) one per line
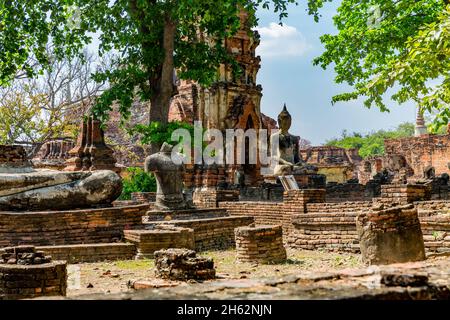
(287,155)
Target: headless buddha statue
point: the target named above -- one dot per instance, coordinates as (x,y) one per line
(169,179)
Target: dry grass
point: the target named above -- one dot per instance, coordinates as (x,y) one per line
(112,277)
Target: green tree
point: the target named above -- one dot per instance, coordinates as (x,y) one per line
(27,118)
(385,45)
(137,181)
(372,143)
(152,38)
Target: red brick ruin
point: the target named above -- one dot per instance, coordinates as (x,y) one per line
(91,152)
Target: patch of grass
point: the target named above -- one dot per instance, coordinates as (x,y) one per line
(227,257)
(338,261)
(135,264)
(294,261)
(354,261)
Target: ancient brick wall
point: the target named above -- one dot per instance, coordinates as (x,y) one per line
(12,154)
(338,164)
(68,227)
(403,193)
(189,214)
(342,192)
(28,273)
(348,206)
(328,226)
(211,198)
(423,151)
(264,213)
(13,158)
(337,173)
(434,218)
(53,154)
(143,197)
(332,226)
(80,253)
(276,213)
(330,154)
(214,233)
(266,192)
(428,208)
(436,232)
(330,230)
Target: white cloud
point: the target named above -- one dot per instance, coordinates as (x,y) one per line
(281,41)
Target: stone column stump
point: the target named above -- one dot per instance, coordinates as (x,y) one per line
(183,264)
(26,273)
(390,235)
(261,244)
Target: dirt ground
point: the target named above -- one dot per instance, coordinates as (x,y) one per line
(119,276)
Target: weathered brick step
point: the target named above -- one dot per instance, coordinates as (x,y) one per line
(210,233)
(91,252)
(188,214)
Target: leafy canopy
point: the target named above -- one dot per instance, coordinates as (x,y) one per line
(371,144)
(135,29)
(157,132)
(401,46)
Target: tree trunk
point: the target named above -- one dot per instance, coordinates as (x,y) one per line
(164,86)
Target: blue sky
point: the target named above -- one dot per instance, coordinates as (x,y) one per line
(288,76)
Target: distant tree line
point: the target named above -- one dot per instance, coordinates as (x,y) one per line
(372,143)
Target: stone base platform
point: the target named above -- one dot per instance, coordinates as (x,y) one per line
(160,237)
(213,228)
(80,253)
(53,228)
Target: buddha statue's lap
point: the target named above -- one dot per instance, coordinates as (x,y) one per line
(287,154)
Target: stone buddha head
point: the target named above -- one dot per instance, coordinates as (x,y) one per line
(284,120)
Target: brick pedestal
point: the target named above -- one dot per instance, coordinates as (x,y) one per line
(390,236)
(298,199)
(27,273)
(262,244)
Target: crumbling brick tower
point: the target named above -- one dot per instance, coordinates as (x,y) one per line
(233,102)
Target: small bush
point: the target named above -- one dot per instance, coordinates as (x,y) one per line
(137,181)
